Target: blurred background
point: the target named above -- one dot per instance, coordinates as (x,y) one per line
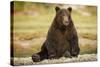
(31,22)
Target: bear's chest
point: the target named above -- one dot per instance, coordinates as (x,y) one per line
(64,35)
(62,39)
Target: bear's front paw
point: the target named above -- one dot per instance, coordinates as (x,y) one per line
(75,52)
(52,56)
(67,54)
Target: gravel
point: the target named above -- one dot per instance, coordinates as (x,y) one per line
(80,58)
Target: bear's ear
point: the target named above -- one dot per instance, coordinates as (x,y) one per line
(69,9)
(57,8)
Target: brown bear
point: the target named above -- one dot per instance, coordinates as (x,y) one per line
(62,38)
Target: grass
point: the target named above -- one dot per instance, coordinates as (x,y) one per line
(88,49)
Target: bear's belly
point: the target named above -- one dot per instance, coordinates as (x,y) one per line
(62,47)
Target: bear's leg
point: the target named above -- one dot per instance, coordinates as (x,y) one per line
(74,46)
(75,51)
(43,54)
(39,56)
(36,57)
(51,52)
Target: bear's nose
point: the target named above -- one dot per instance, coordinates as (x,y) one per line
(66,22)
(65,18)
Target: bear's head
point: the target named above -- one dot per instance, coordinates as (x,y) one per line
(63,16)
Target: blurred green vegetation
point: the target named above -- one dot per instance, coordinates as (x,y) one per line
(32,21)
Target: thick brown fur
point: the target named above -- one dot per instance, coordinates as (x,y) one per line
(62,38)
